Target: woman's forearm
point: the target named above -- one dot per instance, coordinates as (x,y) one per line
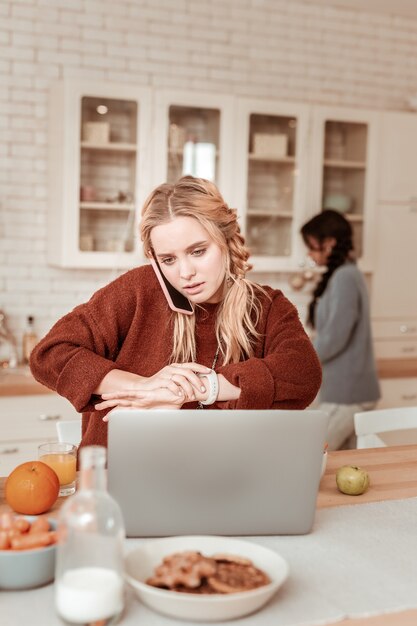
(117,380)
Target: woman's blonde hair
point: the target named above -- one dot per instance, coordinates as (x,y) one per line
(240,308)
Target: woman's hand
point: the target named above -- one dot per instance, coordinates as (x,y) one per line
(161,398)
(171,387)
(177,377)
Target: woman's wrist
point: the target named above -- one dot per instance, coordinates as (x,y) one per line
(227,391)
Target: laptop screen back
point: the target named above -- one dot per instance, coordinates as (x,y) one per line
(215,472)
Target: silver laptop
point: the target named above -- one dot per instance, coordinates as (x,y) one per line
(230,472)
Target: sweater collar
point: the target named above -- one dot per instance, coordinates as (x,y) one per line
(206,313)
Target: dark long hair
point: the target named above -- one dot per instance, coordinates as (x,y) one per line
(327,224)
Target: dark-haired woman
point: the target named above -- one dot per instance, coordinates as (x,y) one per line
(339,313)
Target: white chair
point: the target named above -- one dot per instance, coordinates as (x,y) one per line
(386,427)
(69,431)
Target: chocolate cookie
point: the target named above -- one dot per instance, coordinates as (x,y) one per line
(231,577)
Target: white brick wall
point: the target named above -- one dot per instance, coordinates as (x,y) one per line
(278,49)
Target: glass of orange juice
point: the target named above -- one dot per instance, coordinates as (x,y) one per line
(62,458)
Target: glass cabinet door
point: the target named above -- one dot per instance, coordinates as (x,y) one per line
(344,162)
(344,173)
(193,142)
(99,173)
(194,135)
(271,159)
(108,155)
(270,186)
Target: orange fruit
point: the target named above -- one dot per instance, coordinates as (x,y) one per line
(32,488)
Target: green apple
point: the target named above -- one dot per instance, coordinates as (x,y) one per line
(352,480)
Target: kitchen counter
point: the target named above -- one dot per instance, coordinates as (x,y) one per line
(397,368)
(20,382)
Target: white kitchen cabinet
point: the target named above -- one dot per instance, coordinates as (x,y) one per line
(293,161)
(99,173)
(394,293)
(271,164)
(398,150)
(397,392)
(395,338)
(343,171)
(26,422)
(193,133)
(278,163)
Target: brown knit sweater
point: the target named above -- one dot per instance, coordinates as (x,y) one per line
(127,325)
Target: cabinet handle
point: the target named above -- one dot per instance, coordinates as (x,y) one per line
(409,349)
(9,451)
(409,396)
(45,417)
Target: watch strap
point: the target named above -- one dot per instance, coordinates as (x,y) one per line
(213,383)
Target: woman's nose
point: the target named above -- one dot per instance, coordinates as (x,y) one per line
(186,269)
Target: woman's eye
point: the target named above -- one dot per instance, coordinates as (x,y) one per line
(199,252)
(168,261)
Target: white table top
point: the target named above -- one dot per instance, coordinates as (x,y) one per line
(393,475)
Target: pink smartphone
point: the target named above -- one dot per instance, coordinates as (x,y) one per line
(176,300)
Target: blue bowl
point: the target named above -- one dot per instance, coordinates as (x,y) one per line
(25,569)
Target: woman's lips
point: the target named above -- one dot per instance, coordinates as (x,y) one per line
(193,289)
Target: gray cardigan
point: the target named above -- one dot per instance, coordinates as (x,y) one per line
(344,341)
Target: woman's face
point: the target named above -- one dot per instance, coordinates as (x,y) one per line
(190,260)
(318,251)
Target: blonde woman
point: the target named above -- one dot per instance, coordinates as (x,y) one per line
(239,345)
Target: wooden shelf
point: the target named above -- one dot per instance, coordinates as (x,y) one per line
(347,165)
(353,217)
(180,153)
(109,147)
(289,160)
(107,206)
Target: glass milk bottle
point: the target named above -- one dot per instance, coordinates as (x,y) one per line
(89,566)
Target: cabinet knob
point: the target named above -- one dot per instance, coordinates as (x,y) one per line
(45,417)
(404,328)
(9,451)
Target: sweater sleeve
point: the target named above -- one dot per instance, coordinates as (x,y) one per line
(342,302)
(80,349)
(287,376)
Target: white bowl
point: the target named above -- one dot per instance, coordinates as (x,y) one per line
(141,562)
(25,569)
